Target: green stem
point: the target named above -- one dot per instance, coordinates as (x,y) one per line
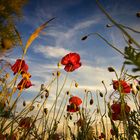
(117,25)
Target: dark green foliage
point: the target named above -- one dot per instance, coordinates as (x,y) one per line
(10,12)
(132,57)
(134,124)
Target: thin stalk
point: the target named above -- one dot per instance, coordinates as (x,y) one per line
(101,116)
(117,25)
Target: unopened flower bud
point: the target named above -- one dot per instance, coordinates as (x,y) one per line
(130,41)
(53,74)
(58,64)
(70,117)
(138,14)
(91,101)
(110,69)
(42,87)
(101,94)
(24,103)
(76,84)
(38,105)
(42,96)
(45,111)
(98,110)
(68,92)
(7,75)
(58,73)
(32,108)
(108,25)
(138,87)
(84,38)
(47,93)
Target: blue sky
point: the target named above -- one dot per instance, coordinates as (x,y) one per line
(74,19)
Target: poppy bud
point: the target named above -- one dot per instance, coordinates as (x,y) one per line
(7,75)
(42,87)
(76,84)
(130,41)
(98,110)
(32,108)
(58,73)
(45,111)
(58,64)
(70,117)
(138,14)
(85,90)
(84,38)
(24,103)
(108,25)
(91,101)
(68,92)
(53,74)
(110,69)
(101,94)
(138,88)
(38,105)
(42,96)
(47,93)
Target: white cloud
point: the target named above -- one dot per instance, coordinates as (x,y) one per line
(51,51)
(86,23)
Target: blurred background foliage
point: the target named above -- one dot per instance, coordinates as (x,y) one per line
(10,12)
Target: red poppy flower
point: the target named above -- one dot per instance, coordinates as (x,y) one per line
(75,100)
(71,62)
(72,108)
(121,86)
(19,65)
(116,108)
(2,137)
(102,136)
(112,132)
(116,113)
(24,83)
(25,123)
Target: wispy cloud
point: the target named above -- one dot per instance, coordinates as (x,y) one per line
(51,51)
